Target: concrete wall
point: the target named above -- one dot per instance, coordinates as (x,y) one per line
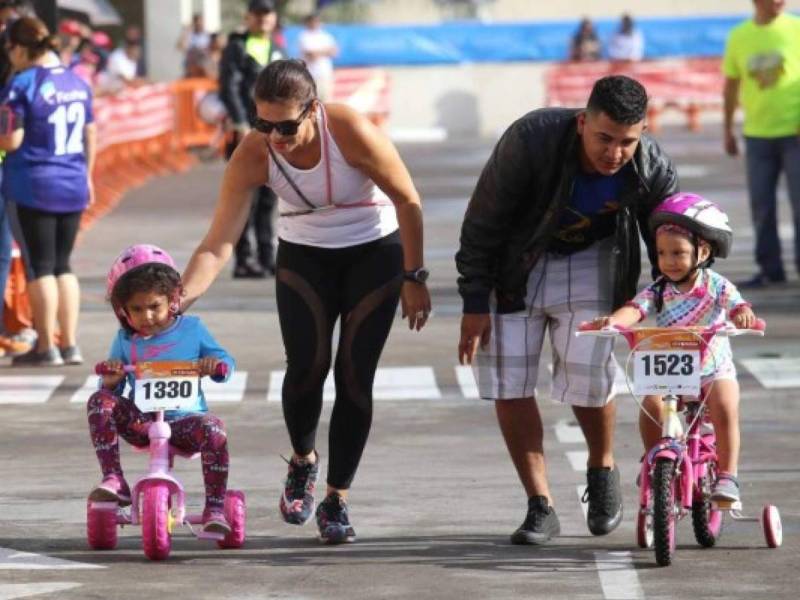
(465,100)
(428,11)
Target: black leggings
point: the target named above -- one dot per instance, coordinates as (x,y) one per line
(315,287)
(48,239)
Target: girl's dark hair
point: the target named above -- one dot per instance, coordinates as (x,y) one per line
(32,34)
(149,277)
(285,81)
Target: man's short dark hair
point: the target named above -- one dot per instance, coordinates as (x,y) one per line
(261,6)
(623,99)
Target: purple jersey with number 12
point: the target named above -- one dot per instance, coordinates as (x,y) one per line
(48,171)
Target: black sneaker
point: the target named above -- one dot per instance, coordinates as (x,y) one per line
(540,524)
(333,522)
(297,500)
(761,280)
(604,496)
(248,270)
(47,358)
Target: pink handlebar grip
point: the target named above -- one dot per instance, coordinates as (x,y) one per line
(760,325)
(221,370)
(589,326)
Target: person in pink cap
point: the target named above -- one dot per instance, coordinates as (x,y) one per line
(144,290)
(690,233)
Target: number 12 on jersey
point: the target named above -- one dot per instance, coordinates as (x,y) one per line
(666,372)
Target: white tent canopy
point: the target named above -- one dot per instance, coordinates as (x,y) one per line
(100,12)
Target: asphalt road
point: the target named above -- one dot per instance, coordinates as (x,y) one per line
(436,496)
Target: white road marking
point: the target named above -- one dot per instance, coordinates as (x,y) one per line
(28,389)
(276,384)
(15,560)
(584,505)
(88,388)
(688,171)
(466,381)
(9,591)
(774,373)
(568,432)
(618,575)
(391,383)
(577,460)
(230,391)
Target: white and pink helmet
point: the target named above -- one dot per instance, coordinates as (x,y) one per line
(135,256)
(700,216)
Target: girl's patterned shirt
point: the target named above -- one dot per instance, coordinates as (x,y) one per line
(711,300)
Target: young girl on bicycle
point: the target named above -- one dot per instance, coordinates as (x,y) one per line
(690,232)
(144,290)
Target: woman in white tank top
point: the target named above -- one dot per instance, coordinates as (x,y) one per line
(344,193)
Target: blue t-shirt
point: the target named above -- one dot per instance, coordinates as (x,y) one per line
(591,213)
(186,339)
(48,171)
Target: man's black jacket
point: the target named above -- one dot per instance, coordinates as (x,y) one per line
(237,77)
(515,207)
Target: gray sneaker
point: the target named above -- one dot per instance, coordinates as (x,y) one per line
(71,355)
(726,489)
(49,358)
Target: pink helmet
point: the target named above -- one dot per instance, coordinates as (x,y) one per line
(136,256)
(700,216)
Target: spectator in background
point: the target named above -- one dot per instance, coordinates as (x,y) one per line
(318,48)
(245,55)
(135,37)
(122,67)
(9,12)
(70,38)
(51,149)
(86,62)
(762,67)
(585,45)
(194,42)
(102,44)
(627,44)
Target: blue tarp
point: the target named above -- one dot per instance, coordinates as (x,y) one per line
(461,42)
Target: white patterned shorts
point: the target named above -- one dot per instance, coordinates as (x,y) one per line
(563,291)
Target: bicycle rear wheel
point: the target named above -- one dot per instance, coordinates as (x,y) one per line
(664,519)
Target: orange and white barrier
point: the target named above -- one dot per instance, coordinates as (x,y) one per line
(688,85)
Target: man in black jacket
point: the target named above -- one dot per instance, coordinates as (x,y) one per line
(551,238)
(242,60)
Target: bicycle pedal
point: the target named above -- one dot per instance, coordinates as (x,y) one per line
(726,505)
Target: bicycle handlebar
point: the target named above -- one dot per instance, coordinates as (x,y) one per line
(220,371)
(726,329)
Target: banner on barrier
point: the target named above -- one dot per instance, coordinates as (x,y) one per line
(473,41)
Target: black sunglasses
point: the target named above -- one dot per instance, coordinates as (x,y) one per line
(285,128)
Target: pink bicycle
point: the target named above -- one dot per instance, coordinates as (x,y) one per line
(158,501)
(677,473)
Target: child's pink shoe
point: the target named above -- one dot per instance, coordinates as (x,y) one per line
(113,488)
(214,521)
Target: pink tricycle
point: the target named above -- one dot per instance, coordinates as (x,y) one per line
(678,472)
(158,501)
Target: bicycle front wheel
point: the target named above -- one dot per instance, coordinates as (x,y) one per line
(706,521)
(664,518)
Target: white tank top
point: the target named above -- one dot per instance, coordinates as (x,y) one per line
(349,209)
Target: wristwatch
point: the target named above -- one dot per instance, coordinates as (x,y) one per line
(417,275)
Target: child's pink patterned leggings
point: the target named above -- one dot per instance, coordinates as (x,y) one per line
(110,415)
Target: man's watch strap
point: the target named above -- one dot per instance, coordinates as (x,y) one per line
(417,275)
